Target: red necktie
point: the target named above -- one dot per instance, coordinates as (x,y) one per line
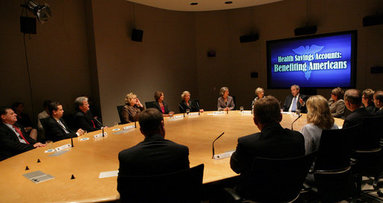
(20,133)
(94,126)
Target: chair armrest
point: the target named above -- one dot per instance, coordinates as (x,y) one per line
(233,194)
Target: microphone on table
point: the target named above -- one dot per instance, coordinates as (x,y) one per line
(214,142)
(102,126)
(198,107)
(182,108)
(299,116)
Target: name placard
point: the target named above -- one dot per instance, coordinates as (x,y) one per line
(218,113)
(194,114)
(100,135)
(176,118)
(66,146)
(246,113)
(223,155)
(128,127)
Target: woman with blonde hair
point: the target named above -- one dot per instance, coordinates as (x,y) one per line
(132,109)
(318,118)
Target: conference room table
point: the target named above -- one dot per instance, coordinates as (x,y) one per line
(76,170)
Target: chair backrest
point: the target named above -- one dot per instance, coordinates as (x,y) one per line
(370,134)
(43,122)
(150,104)
(336,148)
(180,186)
(276,180)
(119,110)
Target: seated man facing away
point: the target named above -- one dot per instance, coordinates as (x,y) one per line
(272,142)
(83,118)
(13,138)
(55,128)
(378,101)
(154,155)
(353,102)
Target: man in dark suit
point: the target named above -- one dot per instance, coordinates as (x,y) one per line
(295,101)
(353,102)
(154,155)
(83,118)
(378,101)
(55,127)
(272,142)
(13,138)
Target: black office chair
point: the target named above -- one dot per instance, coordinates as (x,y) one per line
(119,110)
(369,155)
(273,180)
(180,186)
(332,169)
(47,137)
(150,104)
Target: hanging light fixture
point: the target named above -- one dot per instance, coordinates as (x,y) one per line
(41,11)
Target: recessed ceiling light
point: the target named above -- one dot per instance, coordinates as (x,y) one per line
(194,3)
(228,2)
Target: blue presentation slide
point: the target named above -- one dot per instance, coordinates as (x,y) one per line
(316,62)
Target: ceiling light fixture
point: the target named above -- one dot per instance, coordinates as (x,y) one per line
(41,11)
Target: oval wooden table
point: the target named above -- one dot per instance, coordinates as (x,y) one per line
(90,157)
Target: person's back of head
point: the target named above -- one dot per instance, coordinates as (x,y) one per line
(46,104)
(151,122)
(378,99)
(319,112)
(267,110)
(353,99)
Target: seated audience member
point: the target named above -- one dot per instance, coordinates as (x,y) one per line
(154,155)
(43,114)
(13,138)
(318,118)
(295,101)
(260,93)
(272,142)
(186,103)
(55,128)
(353,102)
(160,104)
(336,103)
(378,101)
(368,100)
(132,108)
(83,118)
(22,118)
(225,102)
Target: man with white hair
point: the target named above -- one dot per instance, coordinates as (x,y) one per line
(83,117)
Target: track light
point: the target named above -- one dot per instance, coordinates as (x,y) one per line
(41,11)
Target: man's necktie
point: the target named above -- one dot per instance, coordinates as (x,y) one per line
(294,105)
(20,133)
(63,126)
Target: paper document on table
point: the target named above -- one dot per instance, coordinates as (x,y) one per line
(108,174)
(38,176)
